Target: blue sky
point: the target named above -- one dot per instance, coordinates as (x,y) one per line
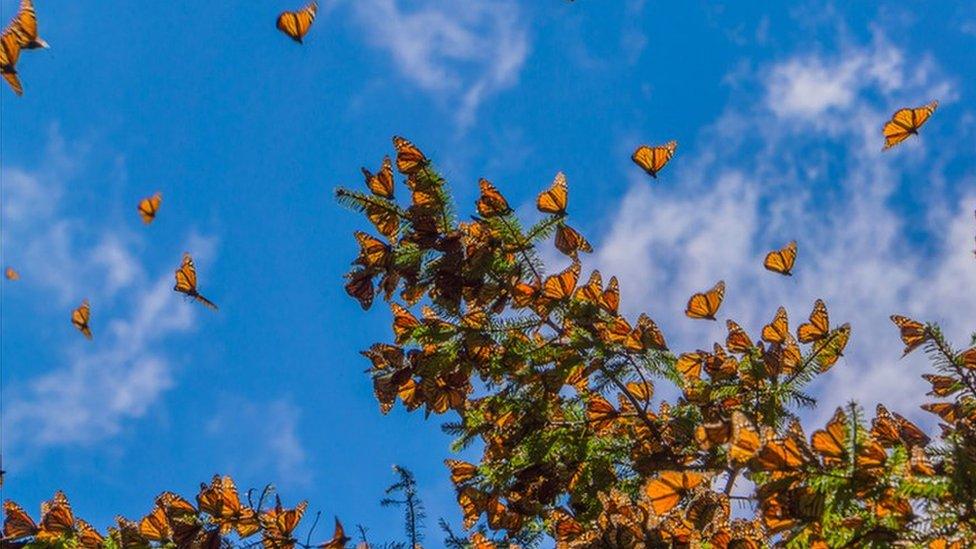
(777,111)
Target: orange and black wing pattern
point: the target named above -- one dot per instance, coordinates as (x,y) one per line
(409,159)
(296,24)
(781,261)
(149,206)
(80,318)
(905,123)
(24,27)
(554,199)
(653,159)
(186,282)
(704,305)
(9,53)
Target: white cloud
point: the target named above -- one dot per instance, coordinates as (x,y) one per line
(463,55)
(123,372)
(774,171)
(264,437)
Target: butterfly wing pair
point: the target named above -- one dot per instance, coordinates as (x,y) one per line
(149,206)
(296,24)
(186,282)
(653,159)
(11,274)
(80,318)
(704,305)
(906,123)
(20,34)
(781,261)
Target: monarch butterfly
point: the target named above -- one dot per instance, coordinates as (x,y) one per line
(564,527)
(600,413)
(221,501)
(17,524)
(9,53)
(905,123)
(472,502)
(380,183)
(24,27)
(554,199)
(280,523)
(491,203)
(942,386)
(777,330)
(642,391)
(787,454)
(80,318)
(296,23)
(155,526)
(653,159)
(404,323)
(88,537)
(360,287)
(648,333)
(831,443)
(569,241)
(968,358)
(667,490)
(57,518)
(745,440)
(409,159)
(689,365)
(781,261)
(913,333)
(891,428)
(705,305)
(186,281)
(785,507)
(738,340)
(149,206)
(461,471)
(819,324)
(611,296)
(11,274)
(373,253)
(561,285)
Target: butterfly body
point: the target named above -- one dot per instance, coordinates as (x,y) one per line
(80,318)
(906,123)
(653,159)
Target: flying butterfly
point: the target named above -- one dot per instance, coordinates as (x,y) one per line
(491,203)
(409,159)
(554,199)
(653,159)
(381,182)
(781,261)
(11,274)
(704,305)
(80,318)
(905,123)
(148,207)
(186,281)
(296,24)
(569,241)
(913,333)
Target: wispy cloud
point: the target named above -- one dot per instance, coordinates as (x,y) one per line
(462,55)
(261,437)
(100,385)
(804,162)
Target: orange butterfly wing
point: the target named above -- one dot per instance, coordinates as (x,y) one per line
(781,261)
(818,326)
(381,183)
(705,305)
(554,199)
(295,24)
(409,159)
(149,206)
(905,123)
(653,159)
(80,318)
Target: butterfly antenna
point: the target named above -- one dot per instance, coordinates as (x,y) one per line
(308,538)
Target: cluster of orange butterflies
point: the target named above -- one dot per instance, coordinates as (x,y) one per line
(173,521)
(21,34)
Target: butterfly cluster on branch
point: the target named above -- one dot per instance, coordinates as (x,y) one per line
(556,387)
